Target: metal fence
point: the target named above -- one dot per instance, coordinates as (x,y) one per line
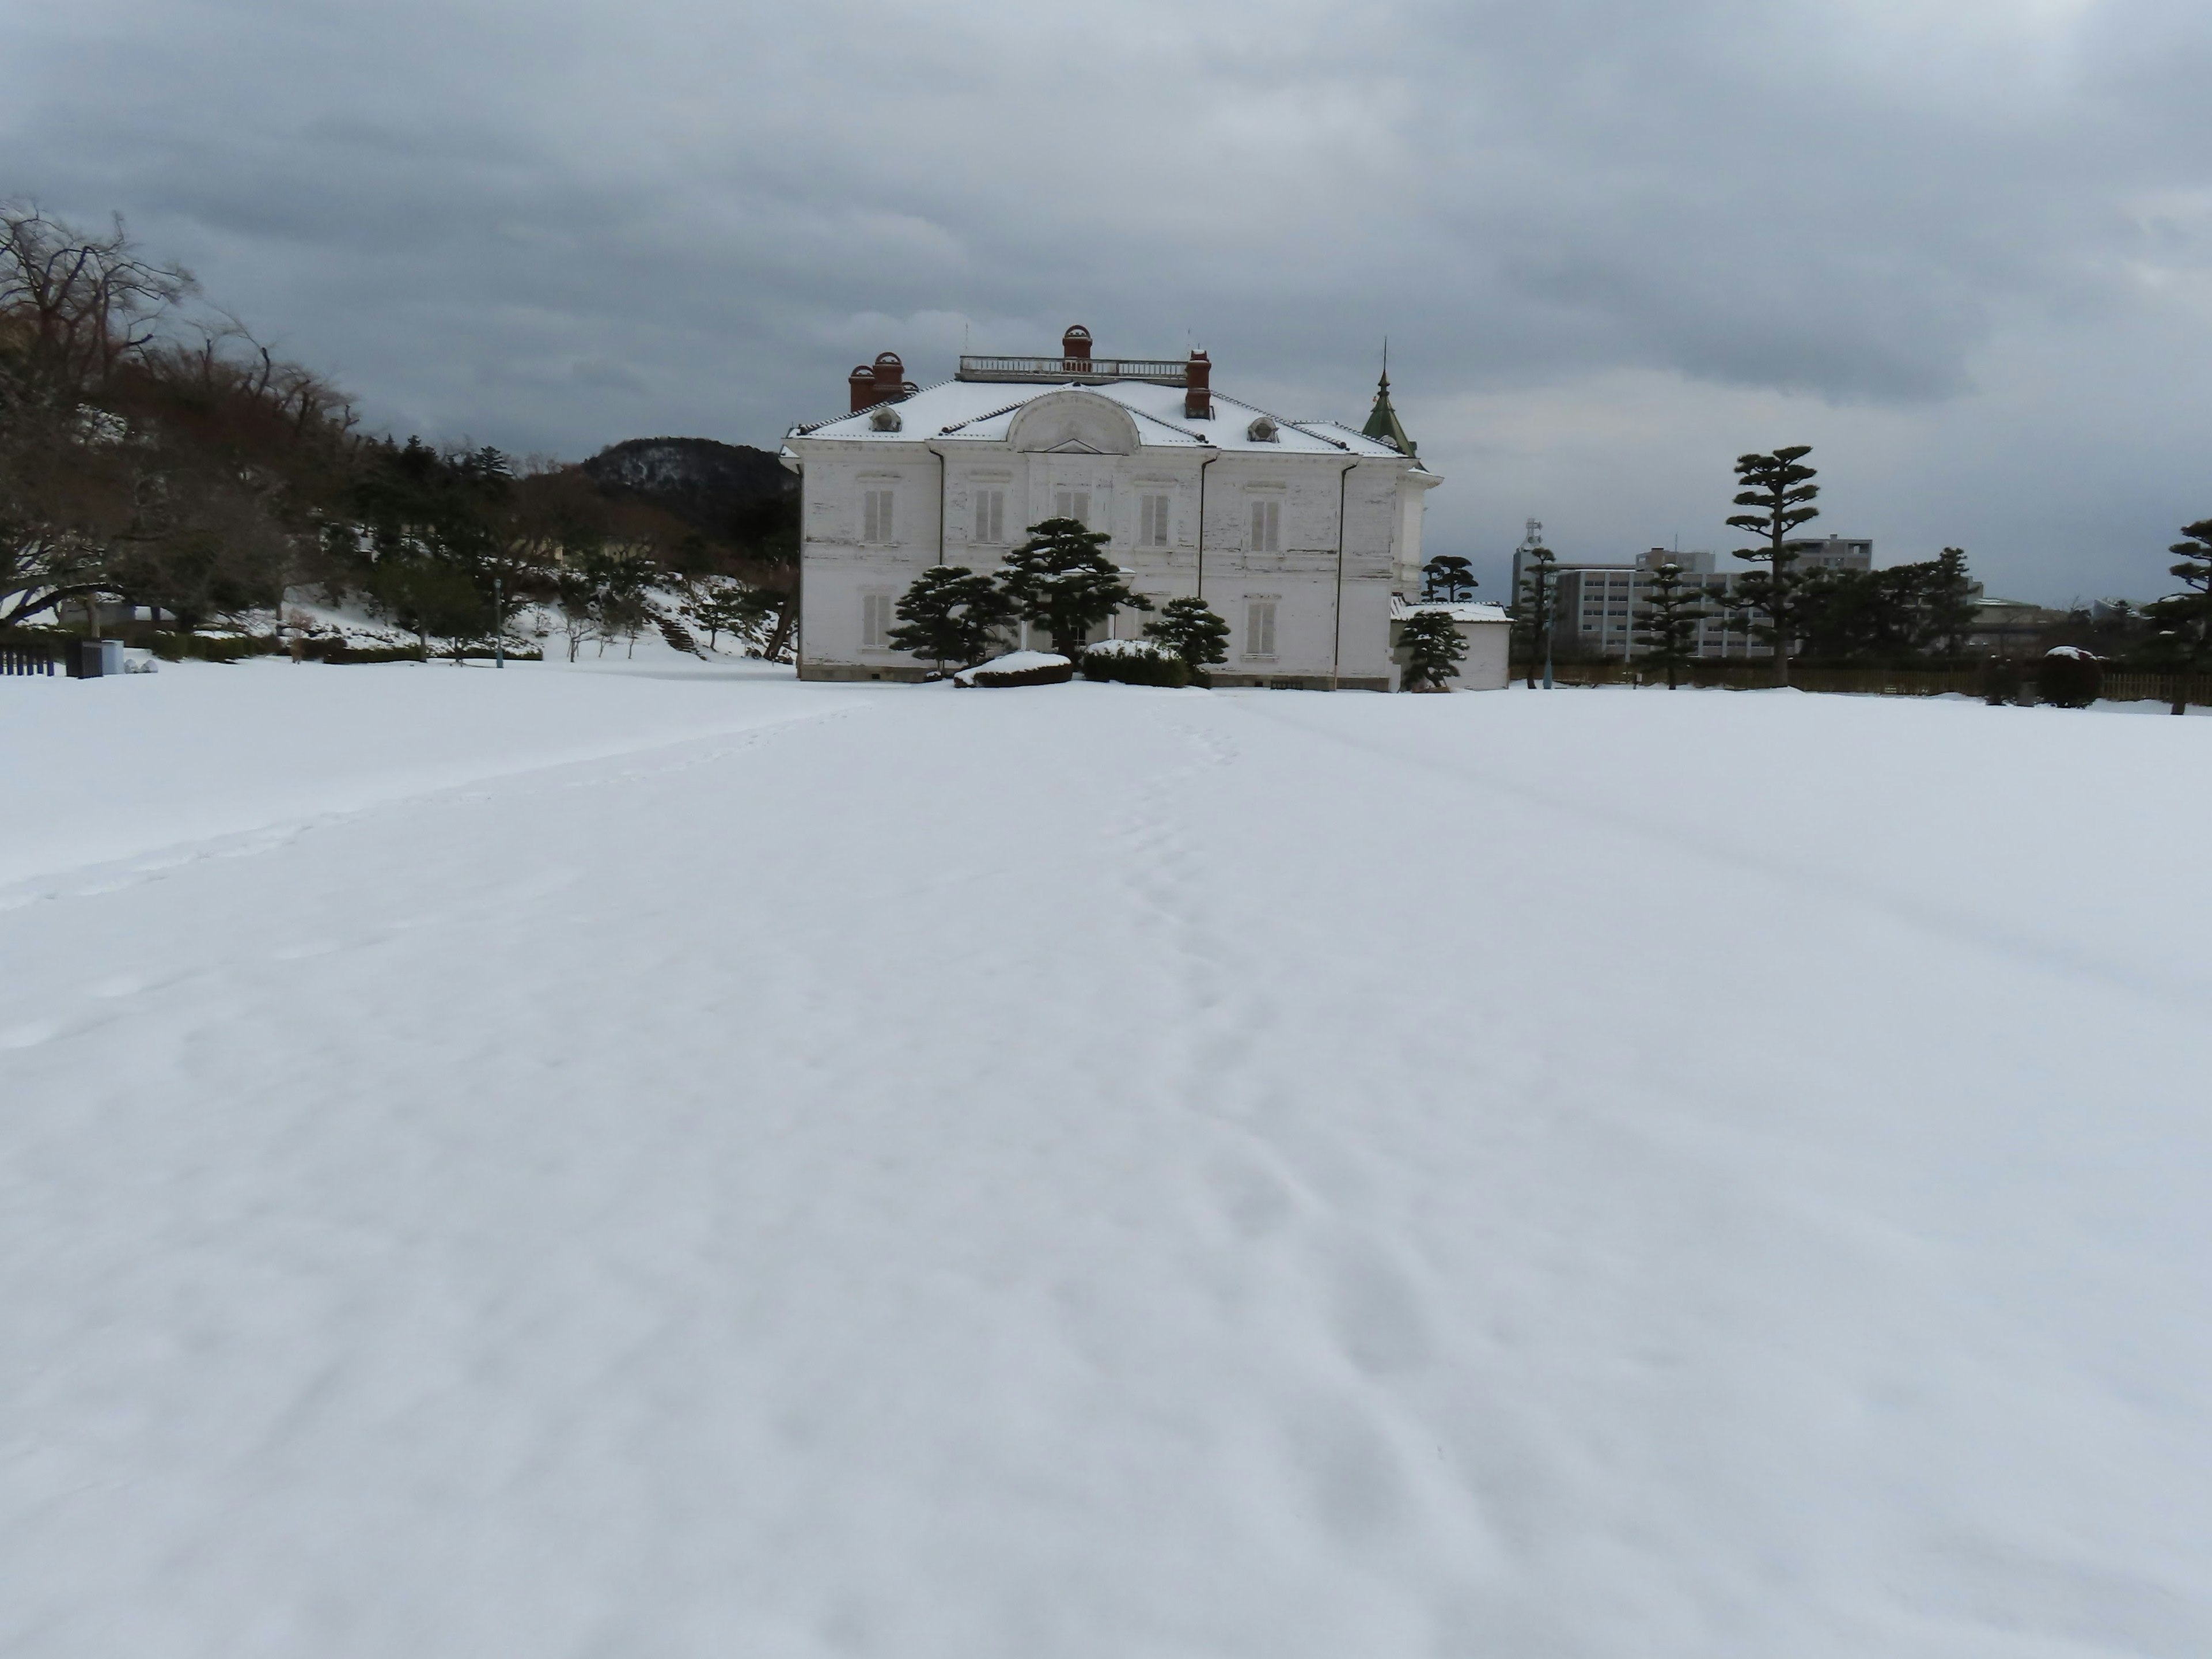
(26,660)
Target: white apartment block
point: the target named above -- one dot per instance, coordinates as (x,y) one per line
(1297,532)
(1596,606)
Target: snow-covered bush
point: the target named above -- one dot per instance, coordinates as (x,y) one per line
(2068,677)
(1135,662)
(1019,668)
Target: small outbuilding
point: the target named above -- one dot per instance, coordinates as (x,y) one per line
(1487,630)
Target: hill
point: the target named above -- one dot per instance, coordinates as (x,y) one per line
(727,492)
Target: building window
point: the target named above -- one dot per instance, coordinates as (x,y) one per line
(876,515)
(1267,528)
(1071,504)
(875,622)
(1259,625)
(1154,531)
(991,517)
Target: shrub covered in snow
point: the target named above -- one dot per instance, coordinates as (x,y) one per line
(1190,630)
(2069,677)
(1019,668)
(1135,662)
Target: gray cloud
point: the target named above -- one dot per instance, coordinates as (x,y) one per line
(1966,252)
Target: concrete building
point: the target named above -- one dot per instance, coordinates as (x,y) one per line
(1596,606)
(1298,533)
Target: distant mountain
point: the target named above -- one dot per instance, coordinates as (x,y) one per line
(730,492)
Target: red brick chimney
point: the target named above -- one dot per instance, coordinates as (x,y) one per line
(1075,349)
(884,383)
(1198,386)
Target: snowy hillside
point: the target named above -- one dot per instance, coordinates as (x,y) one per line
(561,1163)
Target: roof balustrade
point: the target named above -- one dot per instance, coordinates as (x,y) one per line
(1058,371)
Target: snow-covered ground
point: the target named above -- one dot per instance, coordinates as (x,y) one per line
(561,1163)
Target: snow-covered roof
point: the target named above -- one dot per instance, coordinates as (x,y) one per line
(981,411)
(1464,611)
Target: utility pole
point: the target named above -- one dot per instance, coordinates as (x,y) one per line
(498,622)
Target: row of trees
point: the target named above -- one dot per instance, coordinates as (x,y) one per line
(154,453)
(1921,611)
(1060,581)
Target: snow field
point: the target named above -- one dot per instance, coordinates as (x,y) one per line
(1088,1170)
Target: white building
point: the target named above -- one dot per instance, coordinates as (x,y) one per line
(1296,533)
(1486,629)
(1596,607)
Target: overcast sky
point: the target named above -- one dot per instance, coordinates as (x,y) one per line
(1964,250)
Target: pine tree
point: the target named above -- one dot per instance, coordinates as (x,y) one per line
(1948,600)
(1779,486)
(1667,621)
(1531,609)
(1190,630)
(950,614)
(1061,580)
(1447,578)
(2195,572)
(735,608)
(1433,646)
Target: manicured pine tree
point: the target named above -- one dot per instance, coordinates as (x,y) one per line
(2195,572)
(1433,646)
(1779,486)
(950,615)
(1667,621)
(2188,614)
(1190,630)
(1531,609)
(1061,580)
(1447,578)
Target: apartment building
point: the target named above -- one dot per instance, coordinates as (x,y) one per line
(1595,605)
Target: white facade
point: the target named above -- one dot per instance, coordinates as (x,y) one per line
(1297,533)
(1487,630)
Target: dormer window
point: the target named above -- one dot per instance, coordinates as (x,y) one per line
(885,419)
(1262,431)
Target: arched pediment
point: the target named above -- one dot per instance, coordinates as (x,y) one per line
(1074,422)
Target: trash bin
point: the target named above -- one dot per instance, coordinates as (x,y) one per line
(90,658)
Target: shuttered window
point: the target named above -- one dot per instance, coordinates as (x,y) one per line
(1267,526)
(1154,530)
(991,516)
(1260,627)
(875,622)
(1071,504)
(876,515)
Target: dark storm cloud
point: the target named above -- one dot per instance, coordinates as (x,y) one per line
(1965,249)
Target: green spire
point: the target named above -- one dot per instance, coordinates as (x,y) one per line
(1382,420)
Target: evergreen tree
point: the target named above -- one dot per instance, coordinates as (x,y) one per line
(1433,646)
(1780,486)
(1531,609)
(950,615)
(1190,630)
(1060,580)
(2191,613)
(1450,578)
(1947,612)
(603,588)
(1667,621)
(735,608)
